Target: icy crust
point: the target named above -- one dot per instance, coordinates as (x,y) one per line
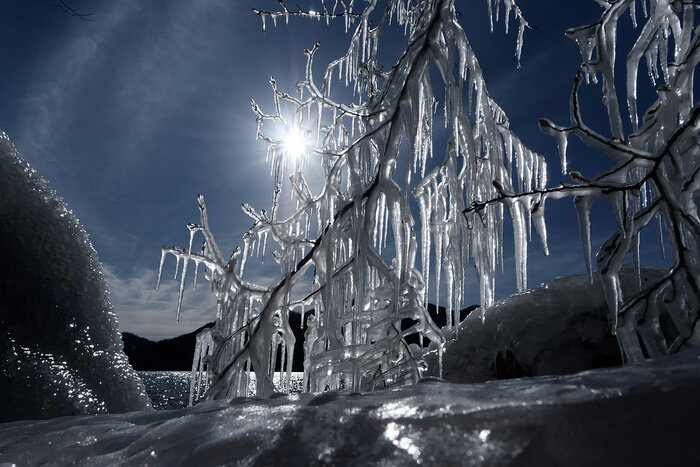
(61,353)
(561,327)
(557,420)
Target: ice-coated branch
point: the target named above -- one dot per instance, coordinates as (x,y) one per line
(510,6)
(654,176)
(364,288)
(237,310)
(326,14)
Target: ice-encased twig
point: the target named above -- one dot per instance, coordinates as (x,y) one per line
(661,153)
(360,297)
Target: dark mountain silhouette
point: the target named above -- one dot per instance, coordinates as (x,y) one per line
(166,355)
(133,342)
(176,354)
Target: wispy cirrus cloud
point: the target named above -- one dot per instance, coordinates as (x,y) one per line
(63,78)
(117,79)
(102,115)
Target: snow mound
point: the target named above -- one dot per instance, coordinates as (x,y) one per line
(558,328)
(640,414)
(60,351)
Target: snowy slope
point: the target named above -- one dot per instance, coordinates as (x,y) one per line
(60,352)
(558,328)
(643,414)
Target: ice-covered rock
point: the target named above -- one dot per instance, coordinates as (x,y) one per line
(640,414)
(60,351)
(558,328)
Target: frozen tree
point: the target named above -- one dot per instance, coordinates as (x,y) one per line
(374,156)
(654,178)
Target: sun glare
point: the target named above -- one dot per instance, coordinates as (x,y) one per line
(294,143)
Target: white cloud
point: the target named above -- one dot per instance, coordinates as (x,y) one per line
(151,313)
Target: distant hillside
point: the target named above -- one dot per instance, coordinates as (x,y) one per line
(166,355)
(176,354)
(133,342)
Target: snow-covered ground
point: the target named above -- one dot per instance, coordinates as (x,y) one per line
(558,328)
(642,414)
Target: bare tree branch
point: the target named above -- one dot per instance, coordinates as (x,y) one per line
(69,10)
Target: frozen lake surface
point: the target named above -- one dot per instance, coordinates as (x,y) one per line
(643,414)
(167,389)
(171,389)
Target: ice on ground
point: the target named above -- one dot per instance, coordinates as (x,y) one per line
(640,414)
(558,328)
(60,351)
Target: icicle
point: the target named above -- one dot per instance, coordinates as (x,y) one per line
(660,235)
(385,222)
(424,204)
(637,263)
(542,172)
(193,231)
(529,170)
(319,117)
(651,56)
(506,15)
(283,361)
(381,205)
(583,210)
(520,241)
(163,253)
(264,247)
(618,206)
(449,287)
(177,266)
(540,226)
(195,374)
(490,7)
(438,267)
(258,243)
(519,162)
(499,238)
(663,50)
(560,134)
(519,43)
(509,151)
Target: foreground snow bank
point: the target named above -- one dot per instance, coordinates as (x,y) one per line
(636,415)
(558,328)
(60,351)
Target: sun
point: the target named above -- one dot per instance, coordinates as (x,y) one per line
(294,143)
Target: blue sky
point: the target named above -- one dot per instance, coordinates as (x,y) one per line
(131,115)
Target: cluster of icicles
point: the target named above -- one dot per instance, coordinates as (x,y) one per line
(366,293)
(655,178)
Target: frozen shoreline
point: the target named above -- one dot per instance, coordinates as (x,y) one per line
(628,415)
